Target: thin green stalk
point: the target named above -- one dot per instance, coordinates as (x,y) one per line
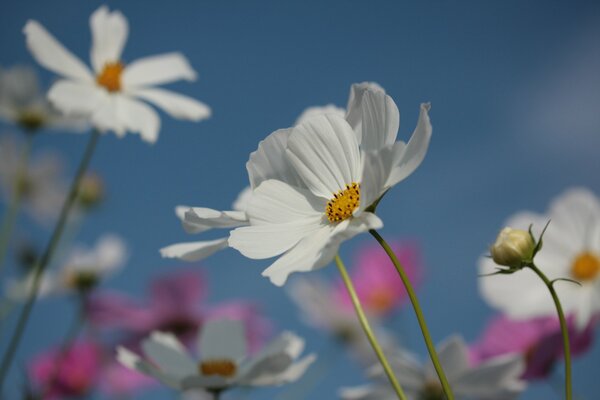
(367,328)
(45,259)
(563,328)
(10,216)
(415,303)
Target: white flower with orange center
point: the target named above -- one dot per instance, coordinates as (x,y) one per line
(222,362)
(571,249)
(313,184)
(109,94)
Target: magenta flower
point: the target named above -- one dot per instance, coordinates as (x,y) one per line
(538,339)
(56,374)
(118,381)
(377,283)
(173,305)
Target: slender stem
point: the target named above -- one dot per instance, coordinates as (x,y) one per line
(46,257)
(563,328)
(367,328)
(10,216)
(420,318)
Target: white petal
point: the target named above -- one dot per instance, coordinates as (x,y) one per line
(242,200)
(270,240)
(269,161)
(134,362)
(368,392)
(320,110)
(109,35)
(52,55)
(277,202)
(307,255)
(454,357)
(380,120)
(194,251)
(77,98)
(222,340)
(169,355)
(324,152)
(576,213)
(174,104)
(200,219)
(122,114)
(157,70)
(497,378)
(416,148)
(376,169)
(354,107)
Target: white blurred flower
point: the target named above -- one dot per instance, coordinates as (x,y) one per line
(320,309)
(571,249)
(41,185)
(83,269)
(110,94)
(202,219)
(23,103)
(495,379)
(322,177)
(223,360)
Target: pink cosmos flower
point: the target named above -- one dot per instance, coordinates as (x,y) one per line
(538,339)
(176,304)
(118,381)
(56,374)
(376,280)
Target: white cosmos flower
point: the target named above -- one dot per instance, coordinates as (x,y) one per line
(495,379)
(571,249)
(109,94)
(23,103)
(313,184)
(83,269)
(223,360)
(203,219)
(42,187)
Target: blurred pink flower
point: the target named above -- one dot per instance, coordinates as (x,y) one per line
(538,339)
(56,374)
(173,305)
(118,381)
(376,280)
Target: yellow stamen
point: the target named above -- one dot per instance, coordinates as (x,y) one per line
(343,203)
(585,267)
(110,77)
(381,300)
(224,368)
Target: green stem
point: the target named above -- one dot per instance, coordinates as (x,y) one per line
(563,328)
(45,259)
(420,318)
(10,216)
(367,328)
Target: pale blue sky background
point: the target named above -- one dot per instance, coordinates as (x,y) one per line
(515,93)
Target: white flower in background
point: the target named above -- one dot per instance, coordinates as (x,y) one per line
(571,249)
(495,379)
(23,103)
(110,94)
(313,184)
(42,188)
(321,310)
(202,219)
(223,360)
(83,269)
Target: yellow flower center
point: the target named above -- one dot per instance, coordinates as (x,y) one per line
(110,77)
(31,119)
(585,267)
(343,203)
(224,368)
(380,301)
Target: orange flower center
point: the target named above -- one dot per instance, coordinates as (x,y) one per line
(110,77)
(381,301)
(224,368)
(585,267)
(343,203)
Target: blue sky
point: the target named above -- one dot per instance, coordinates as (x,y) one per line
(515,95)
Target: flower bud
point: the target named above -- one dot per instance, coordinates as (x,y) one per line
(512,247)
